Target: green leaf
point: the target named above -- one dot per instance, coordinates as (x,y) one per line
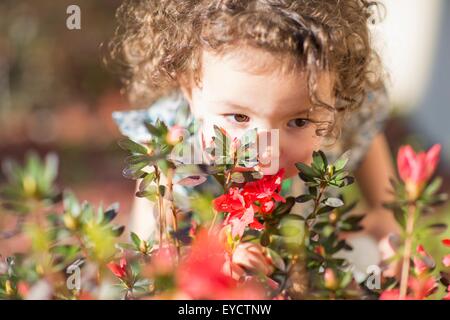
(334,202)
(433,187)
(111,213)
(306,170)
(152,129)
(304,198)
(320,160)
(136,240)
(118,230)
(325,209)
(162,190)
(284,208)
(437,228)
(132,146)
(341,162)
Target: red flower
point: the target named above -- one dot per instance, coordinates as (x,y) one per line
(393,294)
(420,289)
(240,203)
(119,270)
(446,242)
(201,275)
(265,191)
(416,169)
(232,202)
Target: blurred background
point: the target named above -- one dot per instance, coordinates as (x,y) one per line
(55,94)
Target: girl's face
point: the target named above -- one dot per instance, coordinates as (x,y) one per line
(233,97)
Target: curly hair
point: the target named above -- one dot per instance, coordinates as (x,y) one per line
(158,43)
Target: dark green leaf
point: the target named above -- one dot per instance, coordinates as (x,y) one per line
(132,146)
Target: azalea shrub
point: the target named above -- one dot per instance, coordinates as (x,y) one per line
(238,237)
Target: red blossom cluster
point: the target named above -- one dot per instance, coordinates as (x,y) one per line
(243,203)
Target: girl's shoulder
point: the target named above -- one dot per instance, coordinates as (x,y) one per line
(361,127)
(171,109)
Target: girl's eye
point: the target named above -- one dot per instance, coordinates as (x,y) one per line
(298,123)
(239,118)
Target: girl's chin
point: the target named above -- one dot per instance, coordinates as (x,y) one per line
(271,170)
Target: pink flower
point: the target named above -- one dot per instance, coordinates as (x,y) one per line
(238,224)
(330,279)
(119,270)
(416,169)
(446,260)
(175,134)
(422,263)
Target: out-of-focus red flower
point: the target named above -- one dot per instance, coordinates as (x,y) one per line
(393,294)
(200,275)
(423,262)
(416,169)
(446,242)
(23,288)
(120,269)
(163,261)
(420,288)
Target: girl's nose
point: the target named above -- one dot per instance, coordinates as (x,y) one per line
(269,150)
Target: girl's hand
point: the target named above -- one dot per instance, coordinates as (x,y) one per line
(388,247)
(249,258)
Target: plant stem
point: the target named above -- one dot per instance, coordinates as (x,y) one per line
(407,251)
(213,221)
(173,208)
(160,205)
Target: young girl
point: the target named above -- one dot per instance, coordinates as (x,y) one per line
(304,68)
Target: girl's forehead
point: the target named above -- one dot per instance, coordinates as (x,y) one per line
(231,78)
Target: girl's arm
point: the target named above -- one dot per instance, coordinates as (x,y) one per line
(373,178)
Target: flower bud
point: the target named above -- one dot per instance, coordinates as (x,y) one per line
(70,222)
(330,279)
(8,288)
(175,135)
(143,247)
